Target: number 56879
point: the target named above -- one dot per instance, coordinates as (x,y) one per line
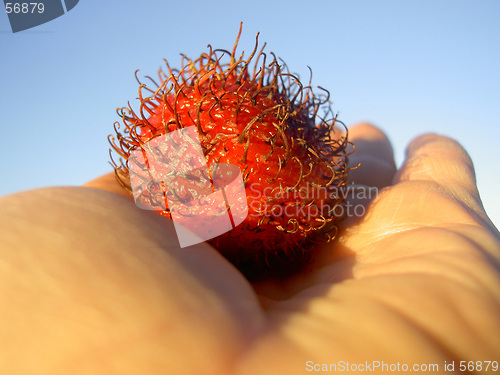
(24,8)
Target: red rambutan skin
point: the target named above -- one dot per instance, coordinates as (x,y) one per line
(265,122)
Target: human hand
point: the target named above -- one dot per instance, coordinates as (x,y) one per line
(95,285)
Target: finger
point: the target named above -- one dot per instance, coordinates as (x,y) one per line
(374,155)
(108,182)
(372,167)
(443,161)
(439,159)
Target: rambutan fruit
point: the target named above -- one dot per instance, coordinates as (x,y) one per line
(256,115)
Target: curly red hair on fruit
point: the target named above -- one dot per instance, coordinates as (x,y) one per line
(255,114)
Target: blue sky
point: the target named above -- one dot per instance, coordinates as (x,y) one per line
(409,67)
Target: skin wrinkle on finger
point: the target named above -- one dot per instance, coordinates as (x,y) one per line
(407,206)
(438,251)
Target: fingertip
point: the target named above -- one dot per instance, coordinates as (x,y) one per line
(366,129)
(441,160)
(373,156)
(369,139)
(108,182)
(438,158)
(431,141)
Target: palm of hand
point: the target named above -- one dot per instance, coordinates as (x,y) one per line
(414,281)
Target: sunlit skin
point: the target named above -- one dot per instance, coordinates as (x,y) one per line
(91,284)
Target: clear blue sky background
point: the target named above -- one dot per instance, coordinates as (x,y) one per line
(408,66)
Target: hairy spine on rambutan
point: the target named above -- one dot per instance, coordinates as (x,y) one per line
(265,115)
